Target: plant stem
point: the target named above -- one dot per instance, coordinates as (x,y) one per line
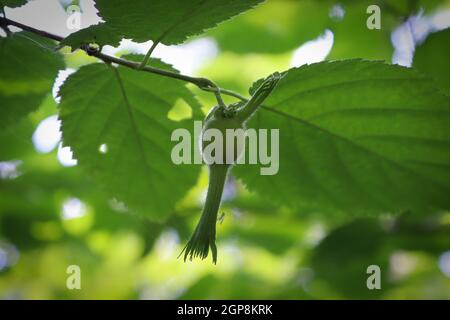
(202,83)
(148,55)
(42,33)
(204,237)
(258,97)
(228,93)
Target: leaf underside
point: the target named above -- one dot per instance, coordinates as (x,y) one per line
(24,85)
(126,112)
(168,21)
(431,57)
(12,3)
(357,137)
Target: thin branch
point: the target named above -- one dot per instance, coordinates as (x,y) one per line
(149,54)
(164,34)
(3,25)
(228,93)
(5,29)
(233,94)
(202,83)
(42,33)
(219,98)
(2,11)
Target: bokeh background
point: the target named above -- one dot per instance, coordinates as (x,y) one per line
(52,215)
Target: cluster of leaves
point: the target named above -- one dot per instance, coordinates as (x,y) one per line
(356,136)
(350,130)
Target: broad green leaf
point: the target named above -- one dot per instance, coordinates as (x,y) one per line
(100,34)
(166,21)
(125,113)
(432,58)
(356,137)
(15,140)
(28,68)
(12,3)
(276,26)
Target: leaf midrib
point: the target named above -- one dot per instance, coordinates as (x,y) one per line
(134,128)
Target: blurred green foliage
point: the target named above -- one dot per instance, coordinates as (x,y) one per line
(266,250)
(432,58)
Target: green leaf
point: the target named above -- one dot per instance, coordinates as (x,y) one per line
(28,68)
(432,57)
(15,141)
(166,21)
(12,3)
(127,111)
(356,137)
(100,34)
